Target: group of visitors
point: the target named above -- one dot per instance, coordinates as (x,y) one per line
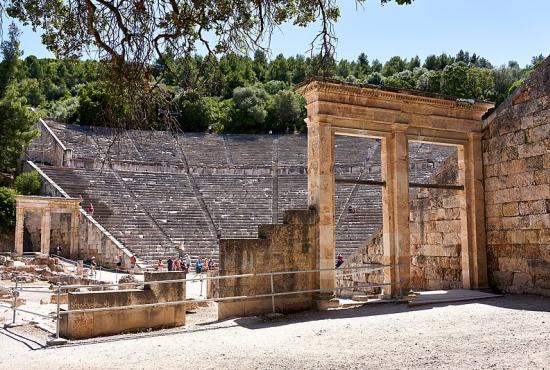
(203,265)
(177,264)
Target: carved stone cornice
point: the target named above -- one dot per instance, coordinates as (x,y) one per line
(315,86)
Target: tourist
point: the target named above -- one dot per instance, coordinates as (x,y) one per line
(93,265)
(187,261)
(198,266)
(210,264)
(160,266)
(181,250)
(58,250)
(177,264)
(90,209)
(133,262)
(170,264)
(204,265)
(339,260)
(118,262)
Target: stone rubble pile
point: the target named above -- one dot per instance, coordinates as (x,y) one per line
(30,270)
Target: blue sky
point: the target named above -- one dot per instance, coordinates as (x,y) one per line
(499,30)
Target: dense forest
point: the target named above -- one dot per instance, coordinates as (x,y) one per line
(234,93)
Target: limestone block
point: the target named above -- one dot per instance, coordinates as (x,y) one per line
(522,279)
(451,239)
(513,264)
(503,278)
(434,238)
(510,209)
(455,263)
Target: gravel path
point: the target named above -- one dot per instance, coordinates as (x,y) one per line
(508,332)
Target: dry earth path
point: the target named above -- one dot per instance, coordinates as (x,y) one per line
(511,332)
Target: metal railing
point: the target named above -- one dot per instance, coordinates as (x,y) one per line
(59,289)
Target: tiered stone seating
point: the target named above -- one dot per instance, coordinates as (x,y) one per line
(425,158)
(250,150)
(238,204)
(292,193)
(152,212)
(158,147)
(203,149)
(292,150)
(114,209)
(170,200)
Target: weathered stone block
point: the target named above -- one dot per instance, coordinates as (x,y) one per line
(510,209)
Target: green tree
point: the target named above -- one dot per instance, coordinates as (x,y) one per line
(393,66)
(429,81)
(7,209)
(28,183)
(375,78)
(453,80)
(16,132)
(260,65)
(251,109)
(362,67)
(286,112)
(11,52)
(278,69)
(30,89)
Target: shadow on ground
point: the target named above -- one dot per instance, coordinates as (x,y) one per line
(512,302)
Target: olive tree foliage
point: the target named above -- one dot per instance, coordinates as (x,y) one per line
(130,35)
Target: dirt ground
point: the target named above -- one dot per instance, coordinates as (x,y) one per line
(507,332)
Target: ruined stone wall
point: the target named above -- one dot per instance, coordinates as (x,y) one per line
(93,324)
(286,247)
(435,241)
(46,148)
(95,241)
(516,158)
(7,242)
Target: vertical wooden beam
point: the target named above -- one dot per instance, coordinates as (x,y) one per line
(395,204)
(45,232)
(472,214)
(321,195)
(19,230)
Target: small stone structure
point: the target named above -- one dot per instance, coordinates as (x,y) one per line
(80,235)
(93,324)
(46,206)
(287,247)
(395,117)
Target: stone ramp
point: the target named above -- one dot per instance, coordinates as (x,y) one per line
(445,296)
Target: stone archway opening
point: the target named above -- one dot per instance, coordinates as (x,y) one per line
(396,118)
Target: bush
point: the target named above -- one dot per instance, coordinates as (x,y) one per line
(7,209)
(28,183)
(65,110)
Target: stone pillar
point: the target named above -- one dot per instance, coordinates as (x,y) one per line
(45,232)
(73,250)
(395,204)
(321,190)
(472,214)
(19,230)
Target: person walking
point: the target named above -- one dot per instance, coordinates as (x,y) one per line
(198,266)
(187,261)
(177,264)
(133,262)
(93,265)
(170,264)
